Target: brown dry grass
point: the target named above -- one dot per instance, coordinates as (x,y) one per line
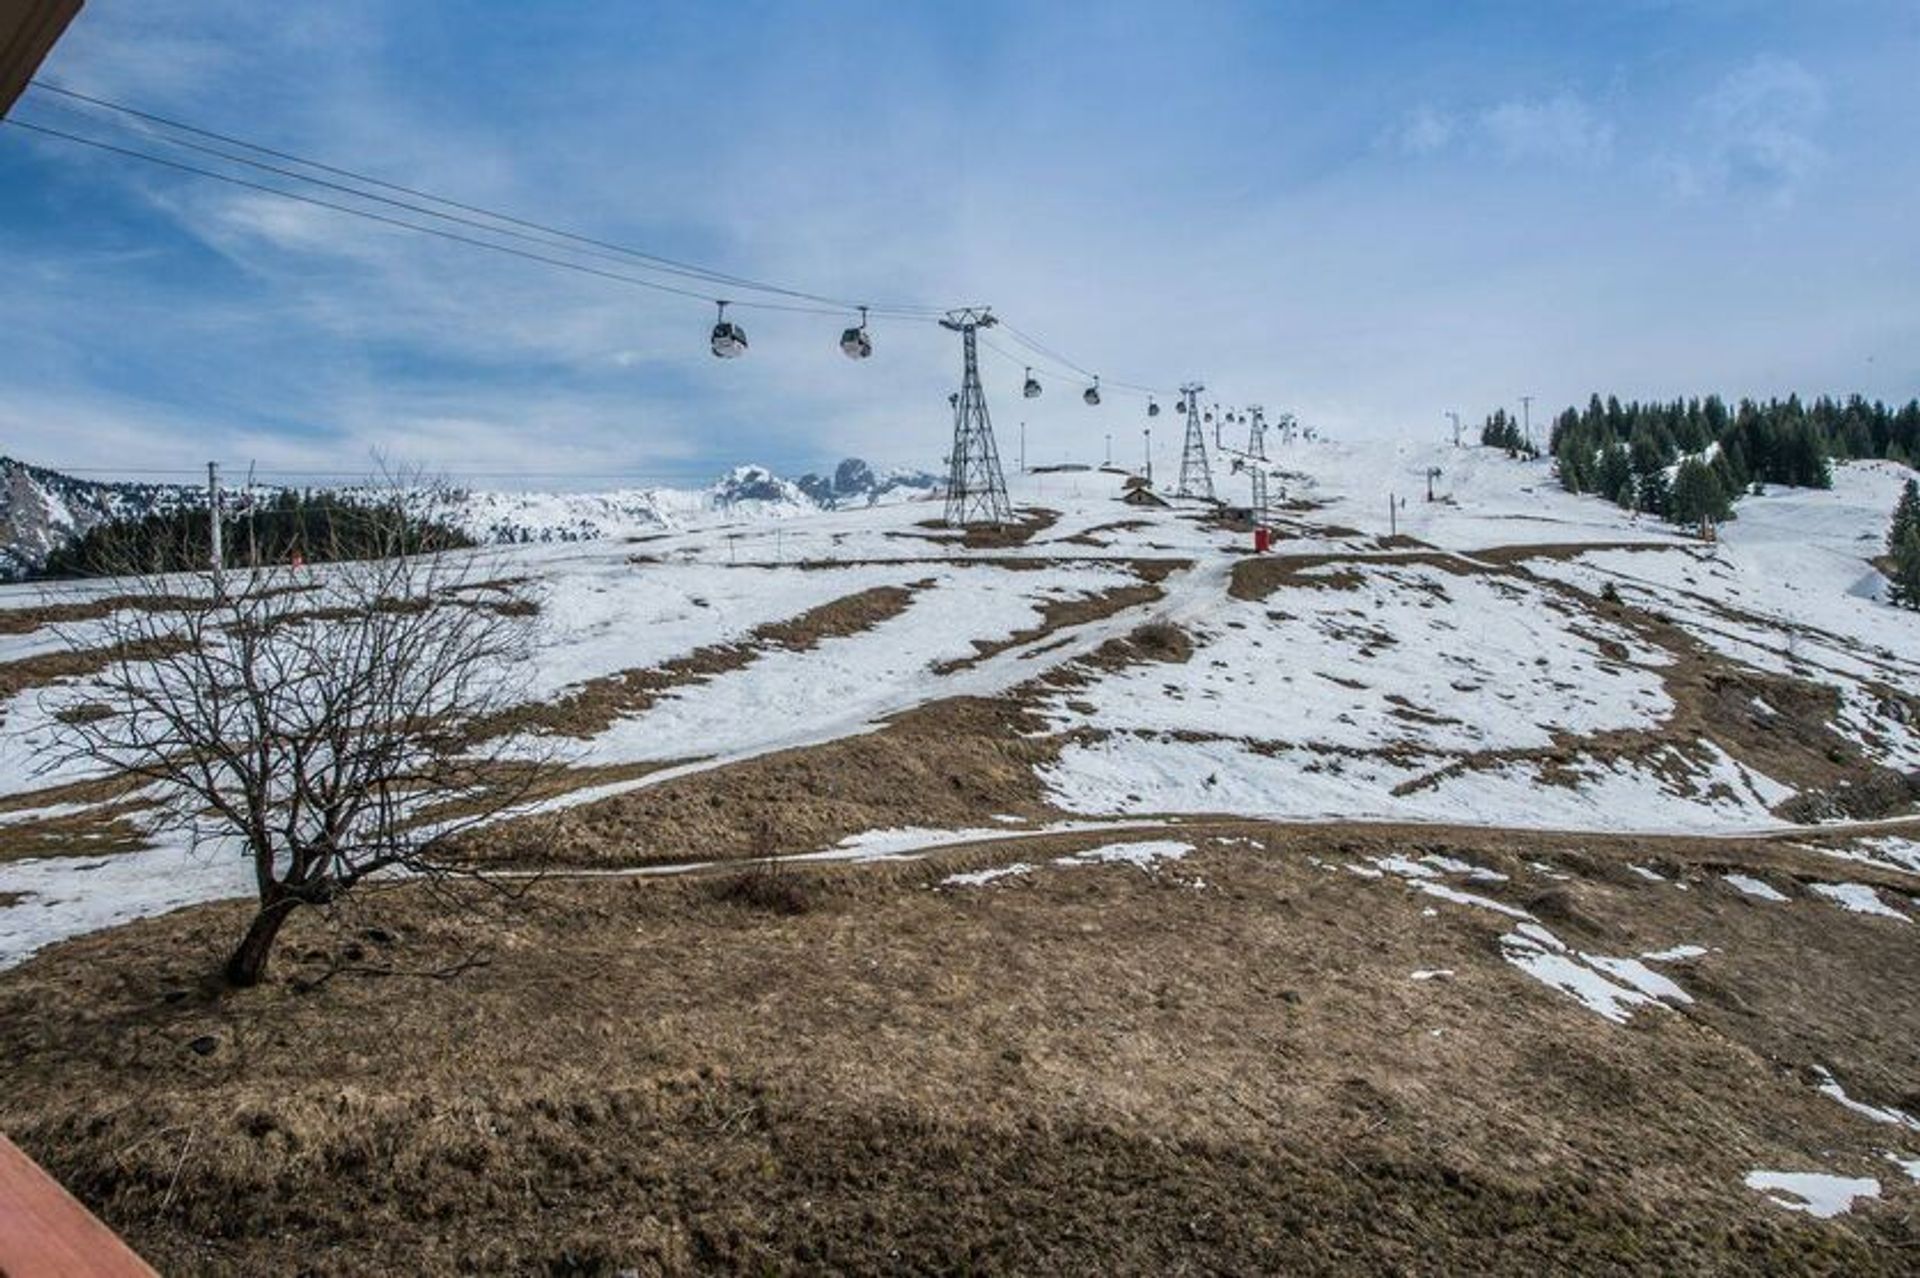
(66,664)
(1064,614)
(590,708)
(21,621)
(1087,1070)
(952,763)
(1713,697)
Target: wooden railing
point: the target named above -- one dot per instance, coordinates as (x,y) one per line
(46,1233)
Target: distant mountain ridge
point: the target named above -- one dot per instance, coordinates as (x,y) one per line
(42,510)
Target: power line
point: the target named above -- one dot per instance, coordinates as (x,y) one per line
(455,236)
(825,305)
(671,265)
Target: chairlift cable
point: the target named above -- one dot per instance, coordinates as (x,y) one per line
(821,304)
(675,265)
(406,225)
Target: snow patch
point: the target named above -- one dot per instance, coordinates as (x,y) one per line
(1144,855)
(1815,1193)
(1752,887)
(980,878)
(1859,899)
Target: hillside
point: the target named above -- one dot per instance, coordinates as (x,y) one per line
(42,510)
(1497,881)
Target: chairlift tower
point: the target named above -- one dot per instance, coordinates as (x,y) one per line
(1196,479)
(976,488)
(1257,463)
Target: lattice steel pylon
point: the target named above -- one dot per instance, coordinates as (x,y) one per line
(976,489)
(1196,477)
(1257,463)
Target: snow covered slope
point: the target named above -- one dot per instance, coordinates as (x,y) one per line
(1514,656)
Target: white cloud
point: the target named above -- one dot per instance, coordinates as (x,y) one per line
(1754,133)
(1560,130)
(1424,131)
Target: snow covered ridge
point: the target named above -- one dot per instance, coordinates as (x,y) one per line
(42,510)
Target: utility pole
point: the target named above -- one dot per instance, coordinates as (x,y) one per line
(1456,428)
(1148,432)
(213,515)
(1526,417)
(1023,448)
(976,488)
(253,530)
(1196,477)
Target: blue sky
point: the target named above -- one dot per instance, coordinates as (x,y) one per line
(1365,213)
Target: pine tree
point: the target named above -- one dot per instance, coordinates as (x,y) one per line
(1906,517)
(1697,495)
(1906,570)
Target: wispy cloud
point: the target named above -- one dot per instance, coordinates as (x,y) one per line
(1755,134)
(1561,130)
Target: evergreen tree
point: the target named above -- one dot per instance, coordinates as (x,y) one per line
(1697,495)
(1654,493)
(1613,476)
(1906,570)
(1906,517)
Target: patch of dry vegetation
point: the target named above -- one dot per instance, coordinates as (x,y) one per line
(595,704)
(954,762)
(1086,1070)
(1057,615)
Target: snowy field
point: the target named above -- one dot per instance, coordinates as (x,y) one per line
(1436,679)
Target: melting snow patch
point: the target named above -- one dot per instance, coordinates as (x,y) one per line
(1645,873)
(1675,953)
(1830,1086)
(1451,865)
(1433,974)
(1911,1166)
(1458,897)
(1144,855)
(62,897)
(1752,887)
(1859,898)
(980,878)
(1613,987)
(1815,1193)
(1904,853)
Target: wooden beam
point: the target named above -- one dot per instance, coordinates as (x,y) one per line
(44,1231)
(28,30)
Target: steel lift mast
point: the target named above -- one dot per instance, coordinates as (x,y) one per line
(976,488)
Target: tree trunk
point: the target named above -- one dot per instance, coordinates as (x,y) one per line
(249,963)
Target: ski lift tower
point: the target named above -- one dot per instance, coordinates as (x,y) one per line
(1196,479)
(976,488)
(1257,462)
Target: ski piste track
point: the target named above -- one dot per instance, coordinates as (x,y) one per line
(1791,564)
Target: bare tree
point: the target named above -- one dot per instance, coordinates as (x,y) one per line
(316,719)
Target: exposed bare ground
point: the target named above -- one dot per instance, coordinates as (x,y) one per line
(588,709)
(1064,614)
(953,762)
(50,668)
(1079,1070)
(55,612)
(1714,697)
(1028,522)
